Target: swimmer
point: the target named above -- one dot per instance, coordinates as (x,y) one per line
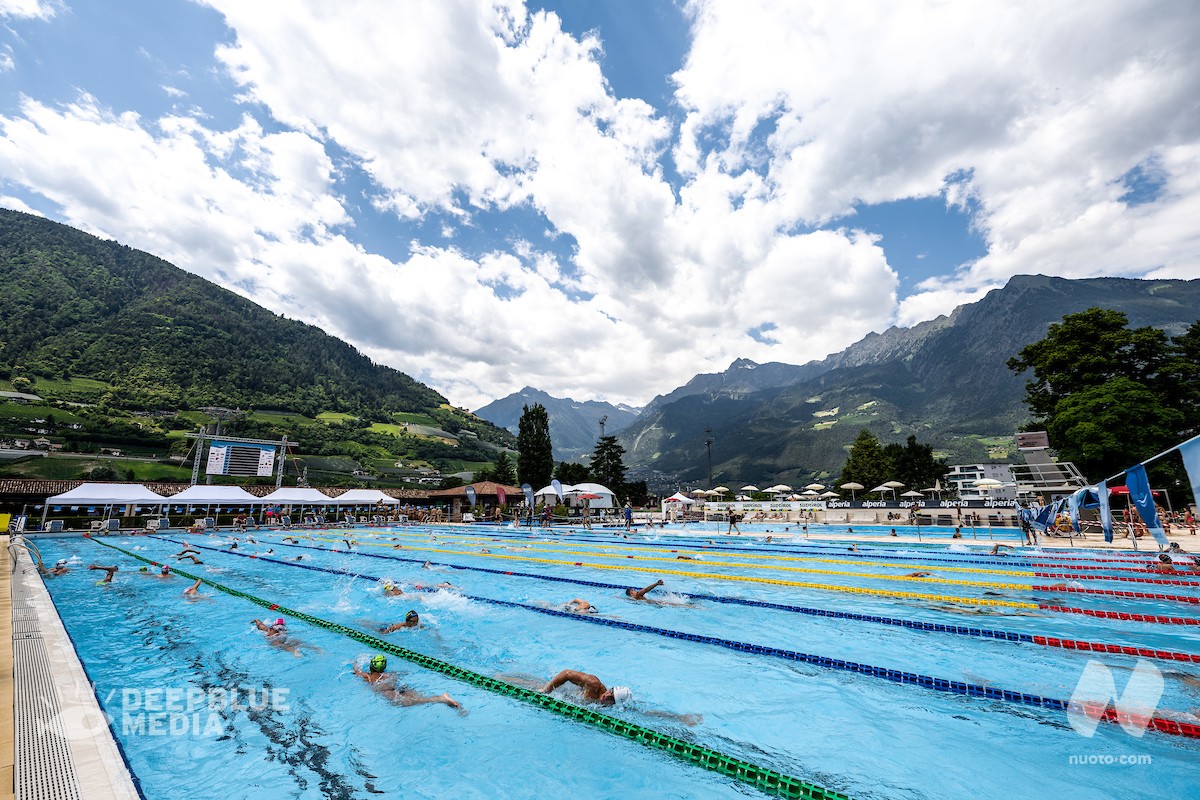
(59,568)
(894,532)
(426,565)
(485,550)
(392,591)
(1164,564)
(290,540)
(411,620)
(594,691)
(193,559)
(997,551)
(193,591)
(385,683)
(108,571)
(580,606)
(918,575)
(187,548)
(640,594)
(684,558)
(853,548)
(1175,548)
(277,636)
(164,572)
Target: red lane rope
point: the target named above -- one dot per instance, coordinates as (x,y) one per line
(1089,612)
(1178,598)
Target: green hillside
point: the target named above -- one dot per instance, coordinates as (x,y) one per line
(127,349)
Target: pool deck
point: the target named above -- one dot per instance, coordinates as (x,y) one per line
(8,751)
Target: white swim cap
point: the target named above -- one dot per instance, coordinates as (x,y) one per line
(621,695)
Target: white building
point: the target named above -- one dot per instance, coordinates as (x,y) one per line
(962,478)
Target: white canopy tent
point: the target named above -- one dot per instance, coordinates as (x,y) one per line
(364,497)
(607,498)
(298,496)
(104,494)
(200,495)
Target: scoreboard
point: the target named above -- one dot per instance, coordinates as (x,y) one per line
(238,458)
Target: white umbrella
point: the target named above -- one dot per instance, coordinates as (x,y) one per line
(988,482)
(912,494)
(783,487)
(816,487)
(853,487)
(742,498)
(698,492)
(810,493)
(794,497)
(721,489)
(749,489)
(893,484)
(881,489)
(773,490)
(828,495)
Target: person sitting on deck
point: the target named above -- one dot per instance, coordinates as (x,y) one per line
(385,683)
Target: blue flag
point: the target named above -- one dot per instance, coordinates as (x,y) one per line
(1143,501)
(1044,516)
(471,495)
(557,485)
(528,490)
(1105,510)
(1190,450)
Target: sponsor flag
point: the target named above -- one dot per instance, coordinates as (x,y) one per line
(557,486)
(1105,510)
(1190,450)
(528,490)
(501,496)
(1143,501)
(471,495)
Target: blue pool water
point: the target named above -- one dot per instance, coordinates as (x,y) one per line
(313,729)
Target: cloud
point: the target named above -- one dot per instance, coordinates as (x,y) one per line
(627,248)
(29,9)
(1043,106)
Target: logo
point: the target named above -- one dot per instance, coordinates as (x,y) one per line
(1132,709)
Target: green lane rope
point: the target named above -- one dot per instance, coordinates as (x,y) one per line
(765,780)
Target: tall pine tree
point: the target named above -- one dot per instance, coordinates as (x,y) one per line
(535,454)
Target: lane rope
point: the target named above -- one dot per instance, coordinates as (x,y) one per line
(765,780)
(1161,724)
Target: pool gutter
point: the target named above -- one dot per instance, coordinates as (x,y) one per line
(62,745)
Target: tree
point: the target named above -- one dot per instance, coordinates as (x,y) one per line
(502,470)
(608,469)
(913,464)
(1109,396)
(535,454)
(571,473)
(866,463)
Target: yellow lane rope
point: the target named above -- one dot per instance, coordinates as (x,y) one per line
(484,540)
(739,578)
(803,570)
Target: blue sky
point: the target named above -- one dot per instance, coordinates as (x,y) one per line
(602,199)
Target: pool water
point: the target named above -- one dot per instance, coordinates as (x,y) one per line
(306,726)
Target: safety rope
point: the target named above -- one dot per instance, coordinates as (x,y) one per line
(765,780)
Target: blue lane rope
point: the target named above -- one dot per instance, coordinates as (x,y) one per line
(896,676)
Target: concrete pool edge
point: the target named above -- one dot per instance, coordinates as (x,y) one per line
(70,720)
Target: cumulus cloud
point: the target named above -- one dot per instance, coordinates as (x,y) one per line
(451,111)
(28,9)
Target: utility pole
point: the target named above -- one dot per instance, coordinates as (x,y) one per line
(708,440)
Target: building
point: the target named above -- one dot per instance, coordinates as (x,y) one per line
(963,477)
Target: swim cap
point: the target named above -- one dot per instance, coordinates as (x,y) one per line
(411,615)
(280,623)
(387,587)
(62,562)
(165,569)
(378,662)
(143,569)
(621,695)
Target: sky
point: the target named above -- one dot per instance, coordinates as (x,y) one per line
(604,198)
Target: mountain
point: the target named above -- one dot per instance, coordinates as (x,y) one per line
(574,425)
(94,321)
(944,381)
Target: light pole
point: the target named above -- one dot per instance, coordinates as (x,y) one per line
(708,445)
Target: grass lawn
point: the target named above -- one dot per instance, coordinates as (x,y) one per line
(30,411)
(388,428)
(334,416)
(416,419)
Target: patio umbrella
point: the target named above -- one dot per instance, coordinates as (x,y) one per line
(990,483)
(810,493)
(828,495)
(721,489)
(816,487)
(783,487)
(698,492)
(881,489)
(893,485)
(794,497)
(913,493)
(853,487)
(749,489)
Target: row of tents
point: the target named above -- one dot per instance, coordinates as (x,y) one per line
(125,494)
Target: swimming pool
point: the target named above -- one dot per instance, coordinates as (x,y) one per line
(307,727)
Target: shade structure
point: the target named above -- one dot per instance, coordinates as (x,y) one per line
(853,487)
(815,487)
(365,497)
(108,494)
(721,489)
(828,495)
(200,495)
(298,496)
(810,493)
(679,498)
(912,494)
(749,489)
(893,484)
(988,482)
(607,498)
(699,492)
